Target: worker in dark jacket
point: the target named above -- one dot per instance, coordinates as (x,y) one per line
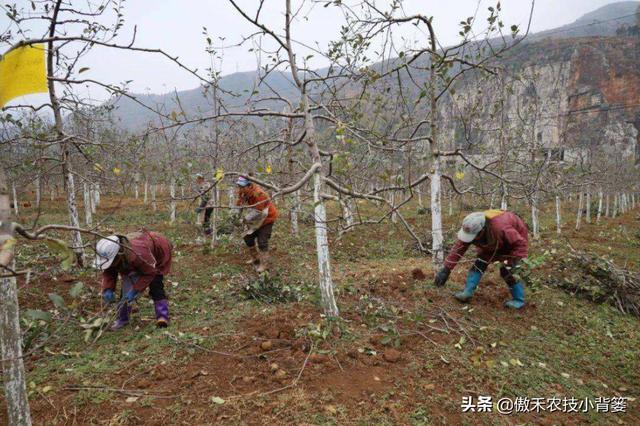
(500,236)
(142,259)
(203,187)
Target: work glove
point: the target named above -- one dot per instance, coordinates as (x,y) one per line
(131,295)
(441,277)
(108,296)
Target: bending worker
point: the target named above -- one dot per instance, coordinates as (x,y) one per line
(203,187)
(500,236)
(262,215)
(142,259)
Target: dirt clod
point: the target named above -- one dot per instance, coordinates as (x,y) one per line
(391,355)
(266,345)
(417,274)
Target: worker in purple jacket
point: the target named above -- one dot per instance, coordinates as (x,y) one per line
(500,236)
(142,259)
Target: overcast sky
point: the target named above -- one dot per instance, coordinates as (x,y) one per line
(176,27)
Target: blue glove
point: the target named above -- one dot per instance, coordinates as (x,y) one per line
(108,296)
(131,295)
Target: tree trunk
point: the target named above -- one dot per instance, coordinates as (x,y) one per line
(580,206)
(96,195)
(74,218)
(615,206)
(599,214)
(436,216)
(88,218)
(38,192)
(503,200)
(534,217)
(322,248)
(558,216)
(588,206)
(16,207)
(295,208)
(347,215)
(394,215)
(214,217)
(172,204)
(14,379)
(146,191)
(154,205)
(606,209)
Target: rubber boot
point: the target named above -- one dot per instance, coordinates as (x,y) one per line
(123,317)
(263,264)
(473,279)
(517,296)
(162,313)
(255,256)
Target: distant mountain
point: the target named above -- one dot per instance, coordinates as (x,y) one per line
(130,115)
(602,22)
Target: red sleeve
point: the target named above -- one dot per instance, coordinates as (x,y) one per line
(457,252)
(517,243)
(109,279)
(260,199)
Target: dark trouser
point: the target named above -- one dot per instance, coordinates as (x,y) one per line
(207,217)
(262,234)
(505,270)
(156,288)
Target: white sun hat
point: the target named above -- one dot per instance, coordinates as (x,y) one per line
(471,226)
(106,251)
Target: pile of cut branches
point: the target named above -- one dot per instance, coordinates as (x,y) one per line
(600,280)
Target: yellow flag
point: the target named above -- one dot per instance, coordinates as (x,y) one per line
(268,169)
(22,71)
(219,174)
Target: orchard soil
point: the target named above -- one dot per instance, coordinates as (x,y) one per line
(402,352)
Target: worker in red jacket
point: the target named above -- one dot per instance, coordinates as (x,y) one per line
(142,259)
(263,213)
(500,236)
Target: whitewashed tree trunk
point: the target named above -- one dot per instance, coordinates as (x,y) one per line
(420,204)
(606,208)
(580,206)
(231,198)
(295,208)
(599,214)
(181,191)
(88,217)
(450,204)
(16,208)
(588,200)
(347,214)
(136,191)
(38,192)
(214,218)
(615,206)
(53,193)
(172,204)
(436,216)
(74,219)
(146,191)
(322,248)
(558,216)
(534,217)
(392,201)
(96,195)
(14,378)
(491,201)
(154,205)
